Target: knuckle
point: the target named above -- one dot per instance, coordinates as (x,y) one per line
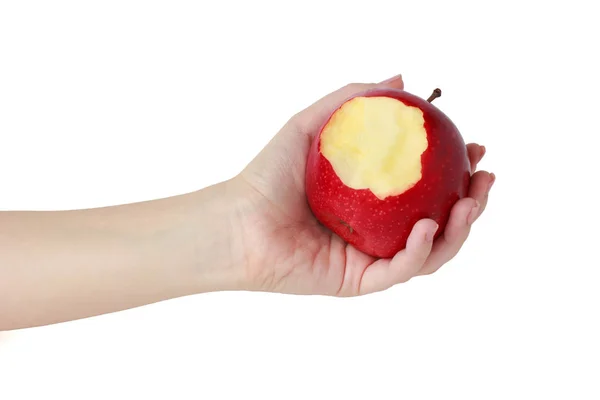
(403,278)
(297,122)
(429,271)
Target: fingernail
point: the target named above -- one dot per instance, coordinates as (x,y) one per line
(473,214)
(492,180)
(393,79)
(429,236)
(483,150)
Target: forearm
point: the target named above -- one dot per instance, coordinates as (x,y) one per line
(65,265)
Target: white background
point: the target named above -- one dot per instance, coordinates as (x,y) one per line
(112,102)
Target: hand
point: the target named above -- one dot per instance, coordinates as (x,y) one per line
(288,251)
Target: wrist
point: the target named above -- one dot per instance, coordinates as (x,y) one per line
(214,238)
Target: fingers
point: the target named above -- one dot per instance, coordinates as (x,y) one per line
(464,213)
(481,184)
(312,118)
(383,274)
(476,153)
(456,232)
(395,81)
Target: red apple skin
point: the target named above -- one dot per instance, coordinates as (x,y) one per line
(380,228)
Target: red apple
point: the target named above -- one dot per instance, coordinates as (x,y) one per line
(384,160)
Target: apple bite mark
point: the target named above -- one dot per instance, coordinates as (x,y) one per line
(384,160)
(376,143)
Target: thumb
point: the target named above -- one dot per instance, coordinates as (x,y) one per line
(311,118)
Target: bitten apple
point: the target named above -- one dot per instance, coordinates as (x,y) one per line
(384,160)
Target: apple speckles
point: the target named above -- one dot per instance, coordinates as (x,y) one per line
(380,227)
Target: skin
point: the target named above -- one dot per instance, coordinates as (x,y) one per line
(253,232)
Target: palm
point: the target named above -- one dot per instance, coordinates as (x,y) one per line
(293,253)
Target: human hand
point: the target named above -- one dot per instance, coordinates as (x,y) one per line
(289,251)
(253,232)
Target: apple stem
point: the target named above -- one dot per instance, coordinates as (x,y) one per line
(436,93)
